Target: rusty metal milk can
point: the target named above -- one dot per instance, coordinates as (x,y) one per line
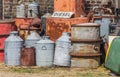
(32,39)
(62,49)
(28,56)
(44,52)
(13,45)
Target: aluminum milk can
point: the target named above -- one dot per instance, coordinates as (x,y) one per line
(44,52)
(13,45)
(32,39)
(33,9)
(20,11)
(62,49)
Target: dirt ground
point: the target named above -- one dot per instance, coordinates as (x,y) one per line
(18,71)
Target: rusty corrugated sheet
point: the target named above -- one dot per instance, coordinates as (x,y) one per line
(56,26)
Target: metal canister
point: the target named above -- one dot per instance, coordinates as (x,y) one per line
(13,45)
(20,11)
(33,9)
(62,49)
(104,28)
(44,52)
(85,31)
(28,57)
(32,39)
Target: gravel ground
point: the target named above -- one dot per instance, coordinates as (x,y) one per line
(9,71)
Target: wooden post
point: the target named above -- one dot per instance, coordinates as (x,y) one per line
(3,10)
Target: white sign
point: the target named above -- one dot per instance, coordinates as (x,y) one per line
(62,14)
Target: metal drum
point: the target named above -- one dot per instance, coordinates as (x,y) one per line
(62,49)
(32,39)
(86,47)
(85,31)
(86,41)
(44,52)
(13,45)
(28,57)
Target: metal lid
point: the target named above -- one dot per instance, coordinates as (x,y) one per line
(45,40)
(34,36)
(86,25)
(13,37)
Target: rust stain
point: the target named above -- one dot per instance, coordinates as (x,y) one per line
(56,26)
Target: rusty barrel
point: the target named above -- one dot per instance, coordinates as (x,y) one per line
(28,57)
(85,31)
(85,51)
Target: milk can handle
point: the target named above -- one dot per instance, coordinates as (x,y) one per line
(44,48)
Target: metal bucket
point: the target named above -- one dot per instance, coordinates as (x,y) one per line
(62,49)
(13,45)
(28,57)
(86,31)
(44,52)
(85,62)
(86,47)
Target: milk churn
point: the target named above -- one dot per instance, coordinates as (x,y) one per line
(33,9)
(62,49)
(44,52)
(20,11)
(32,39)
(28,56)
(13,45)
